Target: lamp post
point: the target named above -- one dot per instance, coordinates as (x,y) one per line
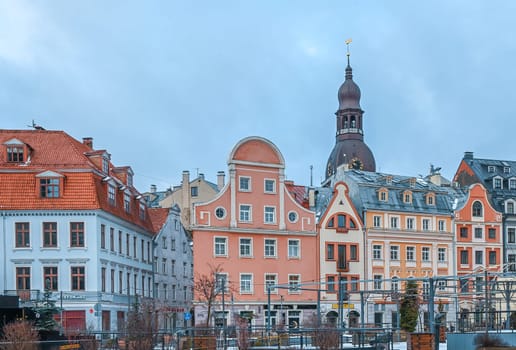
(282,324)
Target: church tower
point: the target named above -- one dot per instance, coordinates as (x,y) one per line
(350,148)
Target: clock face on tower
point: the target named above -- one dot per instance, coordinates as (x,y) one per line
(356,164)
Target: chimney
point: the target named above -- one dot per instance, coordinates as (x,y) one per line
(311,198)
(88,141)
(185,198)
(201,176)
(153,188)
(468,155)
(220,179)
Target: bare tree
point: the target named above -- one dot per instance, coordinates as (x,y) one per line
(208,287)
(20,335)
(141,327)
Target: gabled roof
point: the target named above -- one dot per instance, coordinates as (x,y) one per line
(83,186)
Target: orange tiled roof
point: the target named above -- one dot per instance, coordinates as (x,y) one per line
(82,186)
(297,192)
(158,217)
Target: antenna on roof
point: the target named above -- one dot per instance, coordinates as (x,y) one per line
(35,126)
(311,175)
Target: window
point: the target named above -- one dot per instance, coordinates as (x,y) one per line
(430,199)
(441,254)
(464,260)
(245,183)
(510,208)
(477,209)
(270,186)
(270,281)
(491,233)
(377,283)
(410,223)
(330,252)
(479,257)
(111,194)
(410,253)
(23,278)
(22,235)
(270,248)
(164,242)
(492,257)
(425,254)
(112,280)
(497,183)
(479,233)
(342,261)
(441,225)
(78,277)
(127,203)
(426,290)
(269,215)
(463,284)
(330,284)
(103,279)
(134,247)
(464,232)
(49,188)
(394,222)
(506,169)
(112,239)
(511,235)
(220,213)
(15,153)
(194,191)
(377,251)
(395,284)
(105,165)
(245,213)
(220,246)
(50,277)
(426,224)
(292,216)
(246,247)
(341,221)
(127,251)
(407,197)
(293,283)
(222,282)
(353,252)
(141,211)
(490,168)
(395,252)
(163,265)
(382,196)
(512,184)
(50,234)
(102,236)
(246,283)
(441,285)
(293,248)
(173,244)
(377,221)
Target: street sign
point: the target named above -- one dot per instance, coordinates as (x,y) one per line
(188,316)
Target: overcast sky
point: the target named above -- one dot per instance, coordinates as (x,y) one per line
(167,86)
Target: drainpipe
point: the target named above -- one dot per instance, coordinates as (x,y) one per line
(4,250)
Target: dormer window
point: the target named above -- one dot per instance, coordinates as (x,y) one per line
(412,182)
(105,165)
(497,183)
(407,197)
(430,199)
(506,169)
(491,169)
(15,154)
(129,179)
(383,195)
(509,208)
(512,184)
(111,194)
(49,184)
(142,211)
(388,179)
(127,202)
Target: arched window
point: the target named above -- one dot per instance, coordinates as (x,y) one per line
(477,209)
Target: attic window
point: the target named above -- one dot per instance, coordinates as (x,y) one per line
(49,187)
(15,153)
(407,197)
(111,194)
(506,169)
(430,199)
(491,169)
(383,195)
(105,165)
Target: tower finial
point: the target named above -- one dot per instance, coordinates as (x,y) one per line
(348,41)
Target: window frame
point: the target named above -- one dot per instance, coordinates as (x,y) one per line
(49,187)
(22,235)
(294,251)
(269,214)
(244,184)
(245,213)
(267,183)
(220,246)
(268,245)
(248,283)
(78,278)
(50,238)
(247,246)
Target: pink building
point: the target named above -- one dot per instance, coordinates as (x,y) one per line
(259,235)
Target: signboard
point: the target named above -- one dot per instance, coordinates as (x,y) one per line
(188,316)
(344,306)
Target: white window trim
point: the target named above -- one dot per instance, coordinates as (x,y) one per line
(295,214)
(250,213)
(397,221)
(379,221)
(273,186)
(273,290)
(275,248)
(251,286)
(413,249)
(297,291)
(513,180)
(249,182)
(429,255)
(265,215)
(250,247)
(429,228)
(298,248)
(444,225)
(494,182)
(414,223)
(215,246)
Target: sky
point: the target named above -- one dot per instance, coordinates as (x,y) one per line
(167,86)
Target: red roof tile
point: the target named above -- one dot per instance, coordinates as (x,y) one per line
(158,217)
